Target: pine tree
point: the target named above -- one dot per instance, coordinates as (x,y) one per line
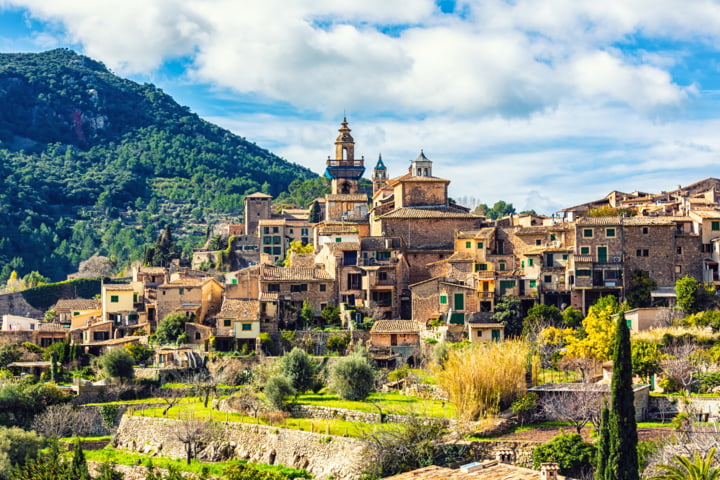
(622,459)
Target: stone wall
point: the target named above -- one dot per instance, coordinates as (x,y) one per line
(324,456)
(665,407)
(329,413)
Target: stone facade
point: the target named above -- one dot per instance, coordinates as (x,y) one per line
(324,456)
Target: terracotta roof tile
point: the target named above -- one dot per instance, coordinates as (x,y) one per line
(429,212)
(240,309)
(51,327)
(117,286)
(488,470)
(272,273)
(347,197)
(77,304)
(395,326)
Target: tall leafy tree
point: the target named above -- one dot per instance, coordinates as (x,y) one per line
(622,460)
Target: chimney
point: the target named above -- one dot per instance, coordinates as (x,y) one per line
(549,471)
(505,455)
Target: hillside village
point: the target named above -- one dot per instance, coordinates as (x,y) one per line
(394,274)
(412,259)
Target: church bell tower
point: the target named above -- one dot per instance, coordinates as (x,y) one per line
(344,171)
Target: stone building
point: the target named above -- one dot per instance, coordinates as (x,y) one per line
(198,298)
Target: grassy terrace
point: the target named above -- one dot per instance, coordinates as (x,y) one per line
(121,457)
(387,403)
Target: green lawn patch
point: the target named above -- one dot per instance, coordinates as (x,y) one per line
(388,403)
(196,411)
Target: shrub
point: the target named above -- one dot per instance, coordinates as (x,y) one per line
(276,389)
(353,377)
(140,353)
(16,445)
(300,369)
(338,342)
(117,363)
(170,328)
(574,456)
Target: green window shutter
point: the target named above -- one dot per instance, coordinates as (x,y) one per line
(587,232)
(480,245)
(443,299)
(114,299)
(459,301)
(529,262)
(715,225)
(533,283)
(457,318)
(584,250)
(522,264)
(468,244)
(247,326)
(629,323)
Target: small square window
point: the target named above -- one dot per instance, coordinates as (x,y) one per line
(645,230)
(552,237)
(538,242)
(530,262)
(443,299)
(323,287)
(468,244)
(502,267)
(564,257)
(584,250)
(246,327)
(610,232)
(587,232)
(715,226)
(547,279)
(114,299)
(480,245)
(533,283)
(227,322)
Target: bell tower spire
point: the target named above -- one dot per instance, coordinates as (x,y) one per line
(344,171)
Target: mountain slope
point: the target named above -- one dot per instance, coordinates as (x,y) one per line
(91,163)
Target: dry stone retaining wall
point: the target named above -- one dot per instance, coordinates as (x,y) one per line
(324,456)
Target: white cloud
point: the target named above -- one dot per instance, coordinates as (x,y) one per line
(524,101)
(511,59)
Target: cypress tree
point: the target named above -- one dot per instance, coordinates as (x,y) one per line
(622,460)
(603,444)
(78,467)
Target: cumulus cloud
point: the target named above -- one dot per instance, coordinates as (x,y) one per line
(491,57)
(560,93)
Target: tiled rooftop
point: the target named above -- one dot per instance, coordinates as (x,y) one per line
(431,212)
(240,309)
(272,273)
(77,304)
(395,326)
(489,470)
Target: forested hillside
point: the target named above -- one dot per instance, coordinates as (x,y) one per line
(91,163)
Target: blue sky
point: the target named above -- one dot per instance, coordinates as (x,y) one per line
(542,103)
